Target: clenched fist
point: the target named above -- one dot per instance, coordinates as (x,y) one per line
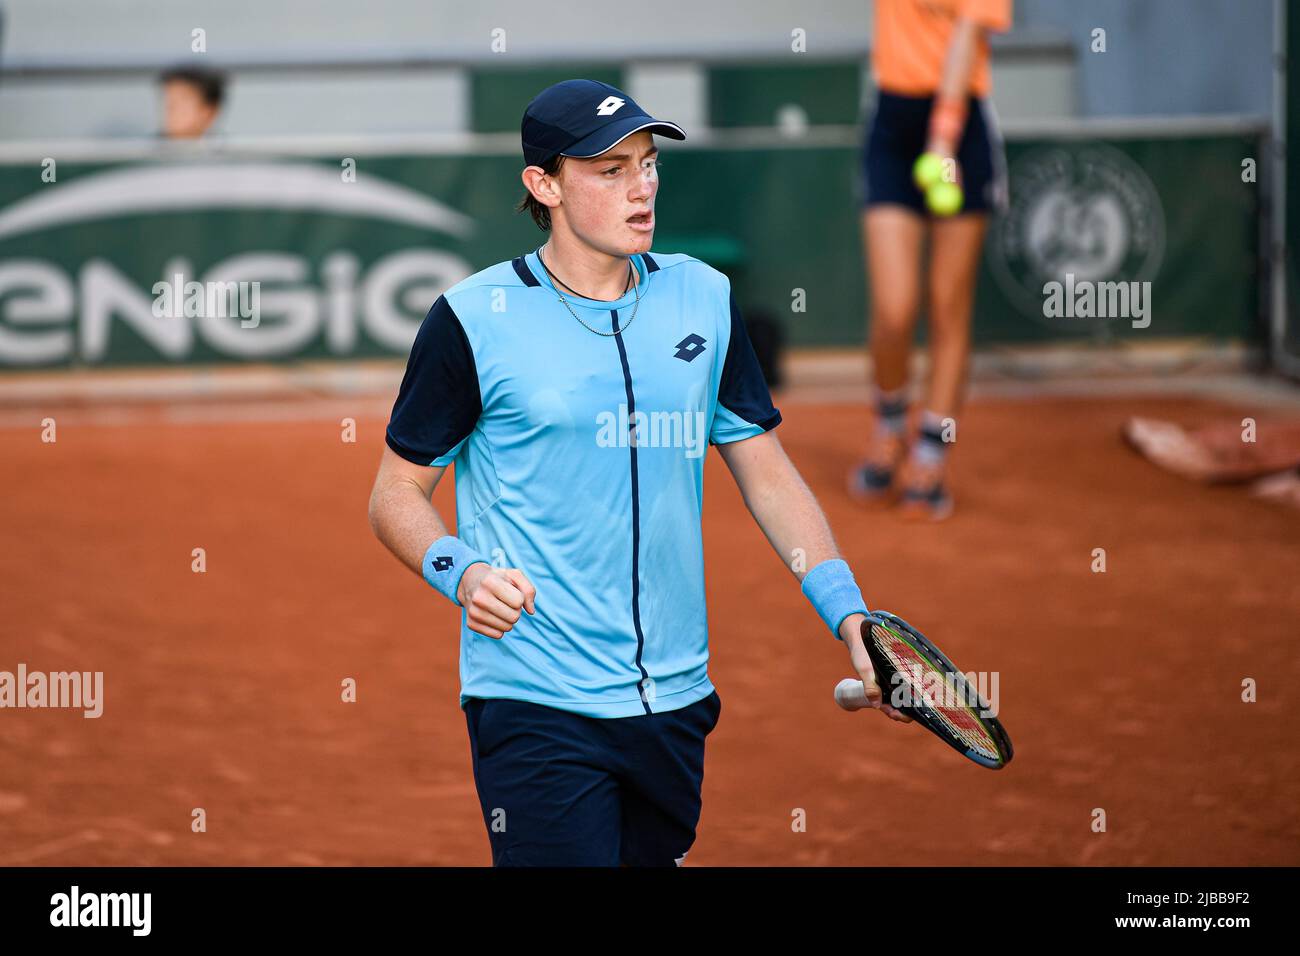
(493,598)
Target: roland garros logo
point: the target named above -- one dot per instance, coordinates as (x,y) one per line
(55,312)
(1083,239)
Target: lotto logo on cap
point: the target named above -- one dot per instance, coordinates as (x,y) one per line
(584,118)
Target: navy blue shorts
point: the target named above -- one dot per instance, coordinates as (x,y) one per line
(897,135)
(562,789)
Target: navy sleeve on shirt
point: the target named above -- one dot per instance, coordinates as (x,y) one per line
(438,403)
(742,391)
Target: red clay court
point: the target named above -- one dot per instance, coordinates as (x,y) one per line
(1121,691)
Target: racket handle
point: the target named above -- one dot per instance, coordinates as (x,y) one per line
(851,694)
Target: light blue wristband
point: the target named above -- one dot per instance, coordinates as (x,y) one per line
(445,562)
(833,593)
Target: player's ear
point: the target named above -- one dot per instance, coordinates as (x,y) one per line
(545,189)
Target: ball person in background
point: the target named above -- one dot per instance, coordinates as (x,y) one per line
(931,65)
(578,559)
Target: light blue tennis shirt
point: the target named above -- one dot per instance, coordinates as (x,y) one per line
(579,459)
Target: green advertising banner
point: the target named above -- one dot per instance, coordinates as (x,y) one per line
(162,260)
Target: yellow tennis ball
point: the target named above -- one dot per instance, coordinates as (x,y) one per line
(927,170)
(944,199)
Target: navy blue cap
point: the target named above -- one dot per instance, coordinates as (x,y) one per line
(583,118)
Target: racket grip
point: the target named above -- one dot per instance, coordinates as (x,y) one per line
(851,694)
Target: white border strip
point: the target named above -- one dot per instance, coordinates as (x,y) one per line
(507,144)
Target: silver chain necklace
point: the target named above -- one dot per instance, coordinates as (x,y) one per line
(635,288)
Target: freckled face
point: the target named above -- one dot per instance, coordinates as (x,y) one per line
(609,200)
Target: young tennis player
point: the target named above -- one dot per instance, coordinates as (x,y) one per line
(931,64)
(576,388)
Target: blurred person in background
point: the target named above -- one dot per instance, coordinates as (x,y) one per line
(191,101)
(1219,453)
(930,59)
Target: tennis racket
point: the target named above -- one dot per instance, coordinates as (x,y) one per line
(916,678)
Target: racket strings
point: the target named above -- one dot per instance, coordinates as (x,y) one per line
(953,705)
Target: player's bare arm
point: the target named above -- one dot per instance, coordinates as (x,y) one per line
(403,517)
(789,515)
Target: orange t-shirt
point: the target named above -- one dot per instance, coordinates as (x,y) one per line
(911,42)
